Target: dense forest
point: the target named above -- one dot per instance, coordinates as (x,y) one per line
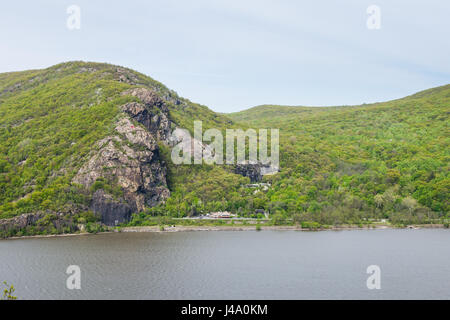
(344,164)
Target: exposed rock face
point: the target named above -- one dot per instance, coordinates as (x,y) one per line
(112,212)
(130,160)
(62,219)
(152,112)
(20,221)
(124,75)
(255,171)
(249,170)
(194,148)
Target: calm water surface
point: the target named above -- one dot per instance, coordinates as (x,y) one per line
(415,264)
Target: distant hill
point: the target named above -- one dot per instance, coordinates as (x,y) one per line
(267,111)
(390,158)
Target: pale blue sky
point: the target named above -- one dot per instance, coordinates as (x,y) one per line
(231,55)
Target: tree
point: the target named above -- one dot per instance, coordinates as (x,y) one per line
(409,203)
(8,292)
(379,200)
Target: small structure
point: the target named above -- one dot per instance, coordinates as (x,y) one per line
(221,215)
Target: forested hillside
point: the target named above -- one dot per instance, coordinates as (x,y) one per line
(82,138)
(339,164)
(51,121)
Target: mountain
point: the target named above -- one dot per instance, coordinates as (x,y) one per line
(81,138)
(83,143)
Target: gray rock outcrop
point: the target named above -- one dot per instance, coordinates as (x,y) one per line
(255,171)
(130,160)
(111,211)
(152,112)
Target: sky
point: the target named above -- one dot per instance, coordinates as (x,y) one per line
(231,55)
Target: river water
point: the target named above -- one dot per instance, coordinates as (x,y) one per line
(414,264)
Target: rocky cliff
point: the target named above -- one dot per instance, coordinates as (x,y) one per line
(130,159)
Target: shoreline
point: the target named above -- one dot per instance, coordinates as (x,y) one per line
(183,228)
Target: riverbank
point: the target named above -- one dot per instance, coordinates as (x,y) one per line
(181,228)
(192,228)
(54,235)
